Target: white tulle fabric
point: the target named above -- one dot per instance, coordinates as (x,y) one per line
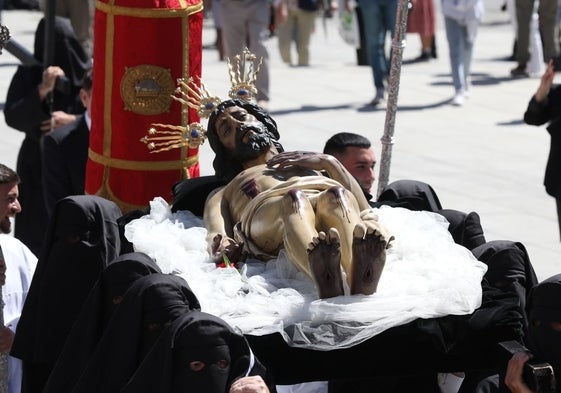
(426,275)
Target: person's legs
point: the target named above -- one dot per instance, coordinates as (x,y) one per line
(549,28)
(234,31)
(81,15)
(524,10)
(258,31)
(455,36)
(305,25)
(468,56)
(374,35)
(284,33)
(389,11)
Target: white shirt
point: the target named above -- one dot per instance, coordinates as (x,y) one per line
(20,266)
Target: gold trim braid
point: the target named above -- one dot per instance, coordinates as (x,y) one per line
(142,165)
(148,12)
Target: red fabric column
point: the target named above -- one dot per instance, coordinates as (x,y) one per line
(141,47)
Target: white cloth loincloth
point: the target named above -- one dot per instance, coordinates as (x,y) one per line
(426,275)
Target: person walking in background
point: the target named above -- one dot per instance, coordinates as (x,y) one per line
(378,18)
(421,19)
(549,29)
(35,106)
(295,21)
(217,19)
(19,266)
(461,19)
(247,25)
(81,15)
(545,107)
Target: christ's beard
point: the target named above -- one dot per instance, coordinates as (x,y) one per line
(258,142)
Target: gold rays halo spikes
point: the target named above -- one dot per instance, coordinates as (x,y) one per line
(193,93)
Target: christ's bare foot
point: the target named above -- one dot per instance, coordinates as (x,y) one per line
(369,258)
(324,257)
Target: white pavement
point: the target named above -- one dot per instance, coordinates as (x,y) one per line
(478,157)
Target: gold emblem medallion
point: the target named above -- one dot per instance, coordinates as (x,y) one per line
(147,89)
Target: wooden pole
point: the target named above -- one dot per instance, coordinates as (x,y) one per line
(398,44)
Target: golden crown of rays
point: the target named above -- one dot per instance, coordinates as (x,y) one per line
(194,94)
(4,37)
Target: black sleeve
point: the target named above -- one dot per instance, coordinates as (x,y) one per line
(24,111)
(538,113)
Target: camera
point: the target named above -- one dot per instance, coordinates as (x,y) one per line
(62,84)
(537,375)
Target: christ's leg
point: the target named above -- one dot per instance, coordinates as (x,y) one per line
(369,258)
(316,254)
(324,256)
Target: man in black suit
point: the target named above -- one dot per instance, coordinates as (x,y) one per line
(65,152)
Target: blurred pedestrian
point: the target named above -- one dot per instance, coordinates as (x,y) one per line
(247,26)
(549,32)
(421,19)
(378,18)
(461,19)
(81,15)
(295,22)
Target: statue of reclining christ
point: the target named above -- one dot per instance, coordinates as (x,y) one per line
(306,203)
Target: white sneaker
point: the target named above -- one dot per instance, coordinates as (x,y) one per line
(458,99)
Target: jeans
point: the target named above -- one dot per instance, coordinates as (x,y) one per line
(461,50)
(378,17)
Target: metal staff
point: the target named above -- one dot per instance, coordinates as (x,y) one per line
(3,355)
(398,44)
(49,49)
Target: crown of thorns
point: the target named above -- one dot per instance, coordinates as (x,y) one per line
(194,94)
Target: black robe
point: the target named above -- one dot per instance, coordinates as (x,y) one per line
(81,240)
(134,327)
(24,112)
(86,332)
(196,337)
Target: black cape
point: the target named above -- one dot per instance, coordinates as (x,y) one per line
(196,336)
(82,238)
(111,286)
(134,327)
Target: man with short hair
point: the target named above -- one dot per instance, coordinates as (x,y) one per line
(357,156)
(19,267)
(278,199)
